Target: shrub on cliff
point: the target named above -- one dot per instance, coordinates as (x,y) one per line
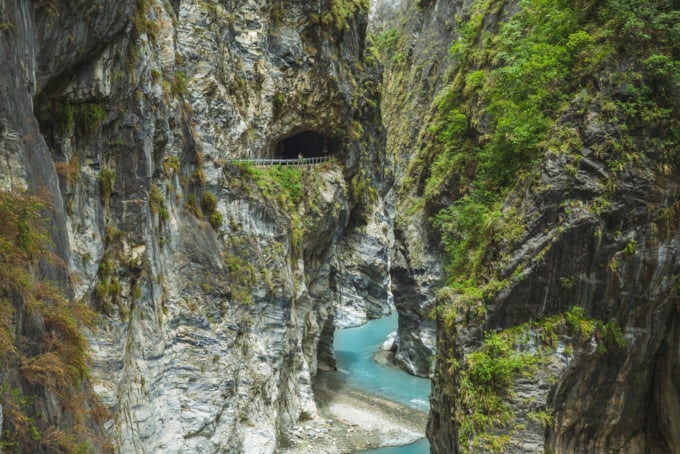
(42,350)
(514,81)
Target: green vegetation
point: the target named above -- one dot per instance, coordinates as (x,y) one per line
(500,114)
(278,13)
(669,219)
(209,202)
(198,177)
(523,91)
(142,21)
(282,183)
(67,113)
(387,41)
(171,165)
(521,88)
(216,220)
(388,46)
(292,189)
(356,130)
(247,168)
(289,178)
(238,85)
(279,103)
(487,374)
(92,115)
(107,178)
(361,191)
(33,361)
(193,206)
(4,24)
(242,278)
(210,206)
(107,290)
(156,75)
(339,12)
(180,83)
(88,116)
(484,385)
(157,203)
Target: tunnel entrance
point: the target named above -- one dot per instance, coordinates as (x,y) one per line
(309,144)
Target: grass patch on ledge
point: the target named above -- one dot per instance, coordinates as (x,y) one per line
(277,182)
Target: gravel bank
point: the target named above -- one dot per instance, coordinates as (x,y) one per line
(352,421)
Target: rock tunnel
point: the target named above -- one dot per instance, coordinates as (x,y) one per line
(309,144)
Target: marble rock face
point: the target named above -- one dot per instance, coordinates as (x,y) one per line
(217,283)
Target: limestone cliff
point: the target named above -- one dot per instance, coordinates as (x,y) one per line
(544,173)
(215,281)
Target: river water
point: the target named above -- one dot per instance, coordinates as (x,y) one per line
(354,351)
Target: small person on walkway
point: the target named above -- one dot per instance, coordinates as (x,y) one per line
(301,159)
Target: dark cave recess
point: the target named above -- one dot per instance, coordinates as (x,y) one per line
(308,144)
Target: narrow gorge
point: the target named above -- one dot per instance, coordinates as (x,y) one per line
(502,173)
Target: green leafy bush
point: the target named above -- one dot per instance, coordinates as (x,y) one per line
(107,178)
(209,202)
(216,220)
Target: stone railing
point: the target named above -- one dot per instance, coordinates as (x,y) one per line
(284,162)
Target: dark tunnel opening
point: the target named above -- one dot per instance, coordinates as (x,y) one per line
(309,144)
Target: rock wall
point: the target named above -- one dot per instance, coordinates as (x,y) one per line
(412,42)
(216,282)
(219,284)
(588,223)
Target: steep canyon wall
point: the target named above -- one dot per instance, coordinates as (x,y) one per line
(215,283)
(518,198)
(539,191)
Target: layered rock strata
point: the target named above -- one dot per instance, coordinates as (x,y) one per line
(216,282)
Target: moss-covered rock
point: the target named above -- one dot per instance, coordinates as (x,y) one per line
(542,168)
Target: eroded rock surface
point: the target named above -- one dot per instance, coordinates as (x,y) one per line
(593,230)
(216,282)
(417,36)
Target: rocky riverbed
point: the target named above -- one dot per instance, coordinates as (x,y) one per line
(351,421)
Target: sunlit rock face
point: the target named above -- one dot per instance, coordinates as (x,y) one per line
(363,280)
(217,283)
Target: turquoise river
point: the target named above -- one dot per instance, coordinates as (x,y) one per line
(355,349)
